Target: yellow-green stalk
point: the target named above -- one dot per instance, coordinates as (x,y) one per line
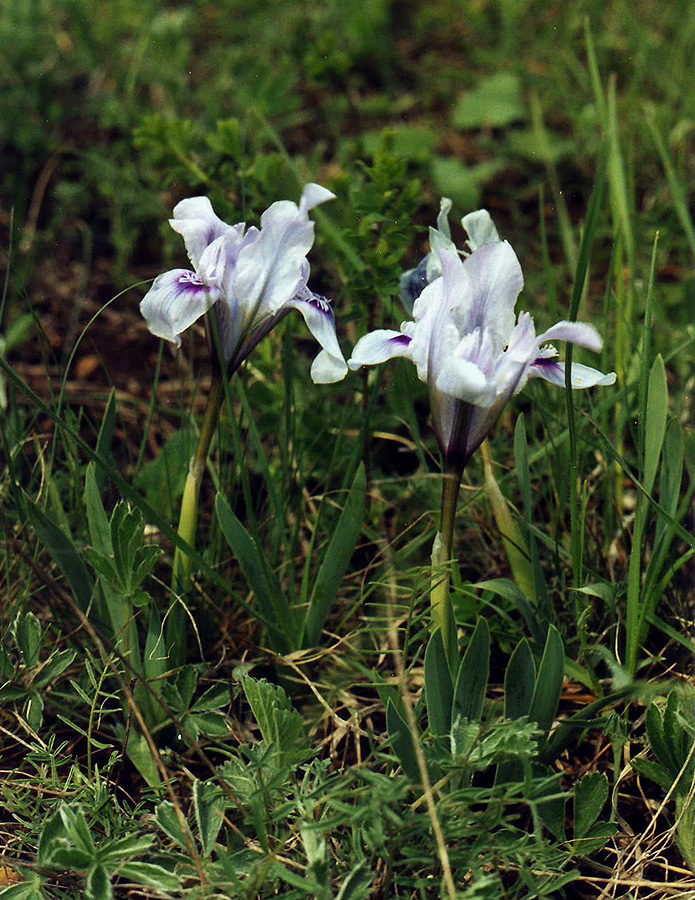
(188,518)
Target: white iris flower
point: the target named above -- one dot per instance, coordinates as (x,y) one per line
(465,339)
(251,278)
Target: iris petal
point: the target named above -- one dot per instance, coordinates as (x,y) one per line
(196,222)
(329,366)
(175,301)
(378,347)
(582,376)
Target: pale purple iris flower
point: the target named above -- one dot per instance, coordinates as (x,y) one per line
(467,344)
(249,277)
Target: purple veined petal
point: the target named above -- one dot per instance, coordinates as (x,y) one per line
(551,370)
(574,333)
(175,301)
(313,195)
(196,222)
(272,269)
(496,281)
(380,346)
(329,366)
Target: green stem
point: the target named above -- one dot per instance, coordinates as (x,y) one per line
(188,518)
(442,553)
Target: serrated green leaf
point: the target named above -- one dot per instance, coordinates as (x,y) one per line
(167,819)
(76,828)
(209,807)
(674,736)
(28,635)
(439,689)
(99,531)
(29,890)
(281,725)
(55,667)
(595,839)
(590,795)
(32,710)
(52,837)
(653,771)
(474,671)
(336,560)
(210,724)
(496,101)
(214,698)
(356,885)
(115,851)
(658,743)
(98,884)
(150,874)
(71,858)
(140,755)
(163,478)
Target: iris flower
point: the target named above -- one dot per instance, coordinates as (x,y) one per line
(474,354)
(467,344)
(249,277)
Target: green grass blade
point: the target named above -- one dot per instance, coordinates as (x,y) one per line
(126,490)
(588,236)
(335,562)
(680,200)
(270,598)
(63,551)
(655,428)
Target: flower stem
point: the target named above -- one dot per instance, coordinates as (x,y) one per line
(188,517)
(442,609)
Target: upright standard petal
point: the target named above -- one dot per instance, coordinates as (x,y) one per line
(497,280)
(196,222)
(273,269)
(329,366)
(175,301)
(313,195)
(480,229)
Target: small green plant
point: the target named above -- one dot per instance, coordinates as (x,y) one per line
(24,676)
(68,844)
(671,738)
